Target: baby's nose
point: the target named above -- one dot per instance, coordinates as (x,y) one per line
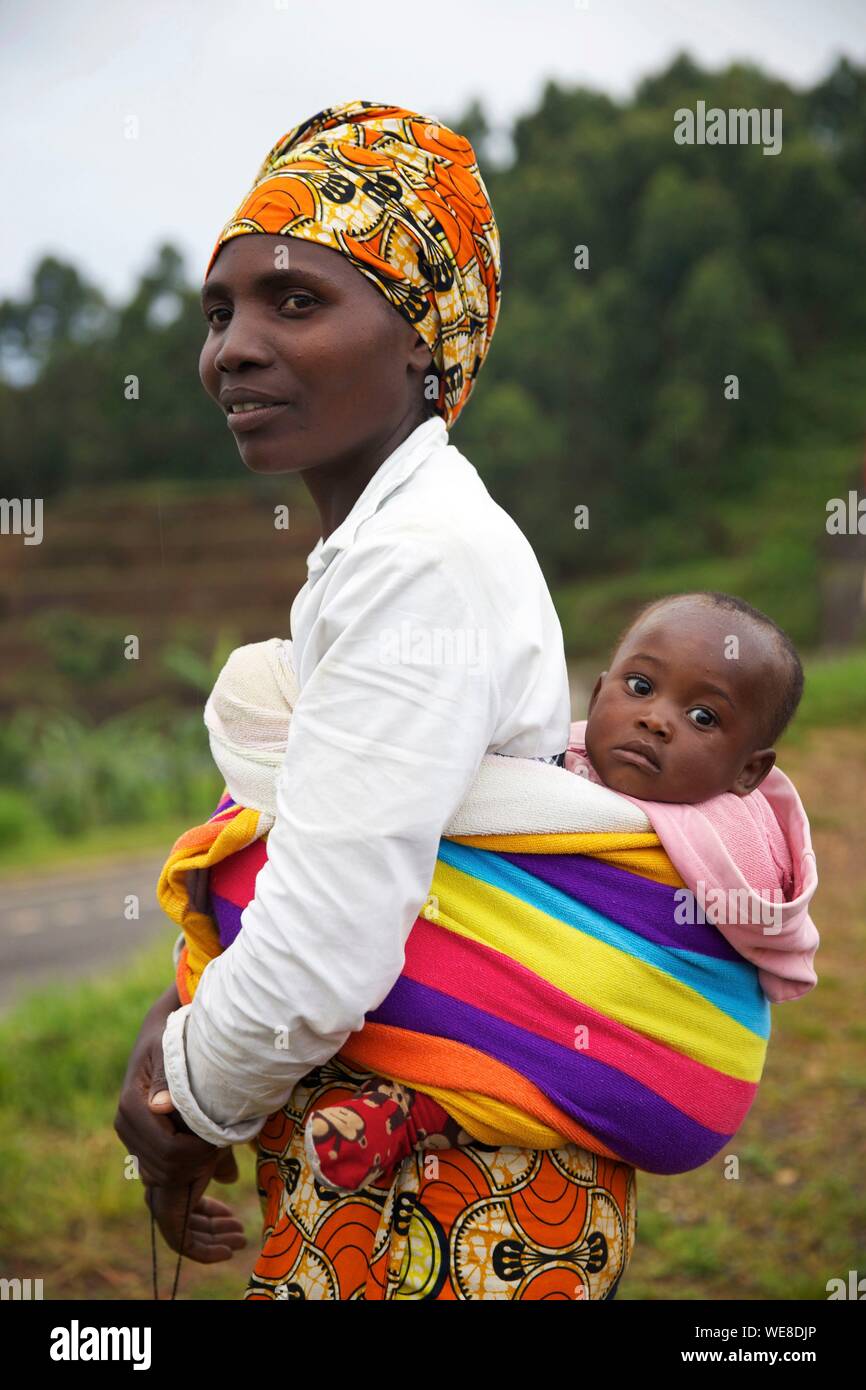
(656,723)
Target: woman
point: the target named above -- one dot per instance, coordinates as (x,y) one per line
(424,637)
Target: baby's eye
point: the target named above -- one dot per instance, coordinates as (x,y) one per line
(642,681)
(710,719)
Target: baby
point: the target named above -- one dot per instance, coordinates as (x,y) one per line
(682,723)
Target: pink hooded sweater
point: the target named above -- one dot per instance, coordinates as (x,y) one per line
(754,844)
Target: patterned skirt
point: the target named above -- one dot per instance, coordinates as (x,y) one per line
(461,1223)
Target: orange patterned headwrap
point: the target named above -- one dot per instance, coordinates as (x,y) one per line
(400,195)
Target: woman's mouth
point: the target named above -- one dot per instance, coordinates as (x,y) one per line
(248,415)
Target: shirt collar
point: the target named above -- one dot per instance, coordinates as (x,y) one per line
(395,469)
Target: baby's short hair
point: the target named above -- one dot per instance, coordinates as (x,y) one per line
(779,711)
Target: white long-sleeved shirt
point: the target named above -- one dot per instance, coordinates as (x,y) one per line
(424,637)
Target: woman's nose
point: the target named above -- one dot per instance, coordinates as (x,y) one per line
(242,344)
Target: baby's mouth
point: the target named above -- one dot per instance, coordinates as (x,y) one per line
(638,754)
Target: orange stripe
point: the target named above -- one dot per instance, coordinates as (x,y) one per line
(184,993)
(441,1063)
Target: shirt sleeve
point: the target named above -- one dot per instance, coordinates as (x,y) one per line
(385,740)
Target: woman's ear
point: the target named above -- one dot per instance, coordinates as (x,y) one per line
(754,772)
(420,356)
(420,363)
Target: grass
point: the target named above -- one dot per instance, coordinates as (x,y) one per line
(46,849)
(70,1215)
(788,1215)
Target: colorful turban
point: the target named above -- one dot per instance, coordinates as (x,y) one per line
(400,195)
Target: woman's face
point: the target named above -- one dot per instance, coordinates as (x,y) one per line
(295,329)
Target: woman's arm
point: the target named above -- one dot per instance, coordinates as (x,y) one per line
(385,740)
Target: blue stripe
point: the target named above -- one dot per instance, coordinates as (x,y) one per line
(732,986)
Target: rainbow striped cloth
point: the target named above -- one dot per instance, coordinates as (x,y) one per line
(549,993)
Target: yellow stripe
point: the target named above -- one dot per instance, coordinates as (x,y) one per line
(638,853)
(203,945)
(200,931)
(503,1124)
(621,987)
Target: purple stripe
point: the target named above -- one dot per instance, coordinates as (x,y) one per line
(643,1128)
(228,918)
(635,902)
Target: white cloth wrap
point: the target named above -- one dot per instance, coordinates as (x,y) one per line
(248,714)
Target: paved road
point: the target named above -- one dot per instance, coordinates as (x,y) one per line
(65,924)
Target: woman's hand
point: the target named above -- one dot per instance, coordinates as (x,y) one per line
(146,1122)
(213,1232)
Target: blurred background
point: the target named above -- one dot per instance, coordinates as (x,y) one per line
(135,132)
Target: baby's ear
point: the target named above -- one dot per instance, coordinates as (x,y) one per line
(754,772)
(594,696)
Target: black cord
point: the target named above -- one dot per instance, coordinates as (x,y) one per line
(180,1252)
(152,1249)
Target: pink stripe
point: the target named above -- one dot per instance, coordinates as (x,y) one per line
(235,876)
(488,980)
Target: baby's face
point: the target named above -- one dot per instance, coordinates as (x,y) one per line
(675,717)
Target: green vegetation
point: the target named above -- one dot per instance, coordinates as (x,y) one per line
(605,385)
(703,262)
(64,780)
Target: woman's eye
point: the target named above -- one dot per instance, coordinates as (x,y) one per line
(641,681)
(210,314)
(710,717)
(300,294)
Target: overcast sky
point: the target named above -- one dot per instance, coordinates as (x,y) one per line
(214,83)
